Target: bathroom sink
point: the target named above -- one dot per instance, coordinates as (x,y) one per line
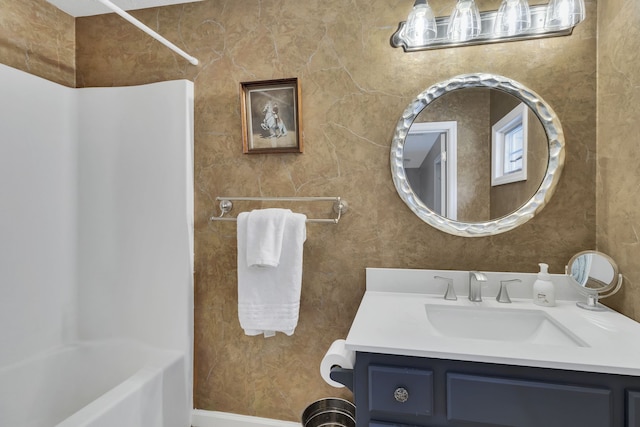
(499,324)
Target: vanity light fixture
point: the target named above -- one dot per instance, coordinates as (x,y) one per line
(421,24)
(514,20)
(514,17)
(464,23)
(564,13)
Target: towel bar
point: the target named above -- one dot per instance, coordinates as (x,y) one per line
(339,206)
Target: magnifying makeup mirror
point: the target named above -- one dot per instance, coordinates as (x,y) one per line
(596,275)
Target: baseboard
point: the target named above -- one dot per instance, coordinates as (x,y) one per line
(202,418)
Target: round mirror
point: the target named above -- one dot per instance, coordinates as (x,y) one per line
(477,155)
(596,274)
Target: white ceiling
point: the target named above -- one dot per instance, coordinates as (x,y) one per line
(93,7)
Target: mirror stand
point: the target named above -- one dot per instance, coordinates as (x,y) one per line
(593,297)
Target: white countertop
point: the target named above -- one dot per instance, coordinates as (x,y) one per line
(392,319)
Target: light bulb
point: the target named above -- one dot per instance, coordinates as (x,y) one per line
(421,24)
(464,23)
(563,14)
(513,17)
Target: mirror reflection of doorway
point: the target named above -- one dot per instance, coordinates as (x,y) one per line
(430,164)
(439,186)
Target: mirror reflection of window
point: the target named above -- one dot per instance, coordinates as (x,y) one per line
(513,150)
(509,147)
(580,269)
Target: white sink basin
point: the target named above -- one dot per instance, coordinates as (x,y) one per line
(499,324)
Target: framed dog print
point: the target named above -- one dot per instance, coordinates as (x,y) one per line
(271,116)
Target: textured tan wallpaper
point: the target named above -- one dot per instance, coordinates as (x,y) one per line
(354,88)
(38,38)
(618,180)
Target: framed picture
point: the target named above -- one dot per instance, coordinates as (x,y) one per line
(271,116)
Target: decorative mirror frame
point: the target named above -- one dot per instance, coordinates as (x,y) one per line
(542,110)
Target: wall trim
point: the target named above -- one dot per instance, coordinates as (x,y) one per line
(201,418)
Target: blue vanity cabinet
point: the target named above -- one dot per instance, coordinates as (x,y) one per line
(633,408)
(402,391)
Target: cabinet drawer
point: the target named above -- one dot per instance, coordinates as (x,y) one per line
(520,403)
(400,390)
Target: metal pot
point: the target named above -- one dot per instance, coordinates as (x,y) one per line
(330,412)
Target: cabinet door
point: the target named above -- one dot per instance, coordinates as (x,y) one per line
(379,424)
(633,408)
(519,403)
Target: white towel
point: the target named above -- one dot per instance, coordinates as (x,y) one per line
(269,298)
(265,228)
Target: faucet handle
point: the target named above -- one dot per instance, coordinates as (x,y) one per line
(450,294)
(503,295)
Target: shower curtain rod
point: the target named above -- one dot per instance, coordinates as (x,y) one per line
(149,31)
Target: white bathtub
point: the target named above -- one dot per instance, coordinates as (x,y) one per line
(97,384)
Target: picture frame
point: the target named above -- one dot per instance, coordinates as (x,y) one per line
(271,116)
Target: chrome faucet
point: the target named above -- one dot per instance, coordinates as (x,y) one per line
(475,288)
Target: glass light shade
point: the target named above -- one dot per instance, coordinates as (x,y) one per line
(421,24)
(513,17)
(464,23)
(564,14)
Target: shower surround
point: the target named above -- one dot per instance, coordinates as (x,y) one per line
(96,254)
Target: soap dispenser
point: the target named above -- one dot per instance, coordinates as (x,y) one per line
(544,292)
